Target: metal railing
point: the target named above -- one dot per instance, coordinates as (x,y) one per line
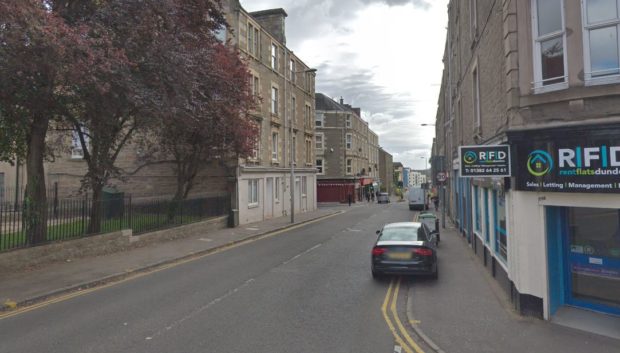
(74,218)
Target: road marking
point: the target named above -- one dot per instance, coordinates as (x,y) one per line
(301,254)
(161,268)
(386,317)
(398,349)
(353,230)
(400,325)
(205,239)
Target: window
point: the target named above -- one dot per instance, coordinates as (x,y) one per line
(319,165)
(274,100)
(252,192)
(294,147)
(251,39)
(1,187)
(549,43)
(256,42)
(308,117)
(349,141)
(476,98)
(304,186)
(600,38)
(276,189)
(473,19)
(319,119)
(255,85)
(256,146)
(293,109)
(274,57)
(274,146)
(477,223)
(318,138)
(76,145)
(292,69)
(348,121)
(349,166)
(501,241)
(309,151)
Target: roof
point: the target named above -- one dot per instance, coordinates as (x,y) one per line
(278,11)
(325,103)
(397,164)
(403,225)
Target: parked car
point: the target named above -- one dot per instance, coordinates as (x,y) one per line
(408,248)
(431,221)
(417,199)
(383,197)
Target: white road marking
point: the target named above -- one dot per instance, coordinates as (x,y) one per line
(353,230)
(252,228)
(205,239)
(199,310)
(301,254)
(398,349)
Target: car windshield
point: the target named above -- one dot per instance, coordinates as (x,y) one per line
(411,233)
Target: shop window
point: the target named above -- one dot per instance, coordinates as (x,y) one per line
(487,231)
(594,257)
(477,223)
(499,215)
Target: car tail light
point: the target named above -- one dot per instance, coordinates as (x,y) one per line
(376,251)
(423,251)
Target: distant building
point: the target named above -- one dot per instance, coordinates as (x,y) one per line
(346,152)
(386,171)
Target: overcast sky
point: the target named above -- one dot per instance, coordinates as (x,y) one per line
(384,56)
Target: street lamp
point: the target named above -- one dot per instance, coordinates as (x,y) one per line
(292,141)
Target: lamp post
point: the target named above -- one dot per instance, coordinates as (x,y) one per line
(292,142)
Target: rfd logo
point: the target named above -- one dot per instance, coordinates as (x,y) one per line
(492,155)
(584,157)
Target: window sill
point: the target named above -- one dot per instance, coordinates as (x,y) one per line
(609,80)
(551,88)
(252,205)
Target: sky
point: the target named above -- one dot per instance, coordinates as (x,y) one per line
(384,56)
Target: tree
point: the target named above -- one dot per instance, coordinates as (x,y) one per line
(39,52)
(214,124)
(169,45)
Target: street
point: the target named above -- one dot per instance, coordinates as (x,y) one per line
(305,290)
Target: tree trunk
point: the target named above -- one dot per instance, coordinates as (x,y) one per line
(96,211)
(175,204)
(35,201)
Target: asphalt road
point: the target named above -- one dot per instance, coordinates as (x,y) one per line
(305,290)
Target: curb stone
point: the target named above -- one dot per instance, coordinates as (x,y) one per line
(13,306)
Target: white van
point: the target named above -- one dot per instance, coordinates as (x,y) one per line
(417,199)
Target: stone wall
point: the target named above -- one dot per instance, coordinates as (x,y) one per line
(23,259)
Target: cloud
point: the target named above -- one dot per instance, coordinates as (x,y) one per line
(383,56)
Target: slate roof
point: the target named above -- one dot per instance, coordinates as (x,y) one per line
(325,103)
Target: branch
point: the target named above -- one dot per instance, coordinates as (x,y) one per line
(142,166)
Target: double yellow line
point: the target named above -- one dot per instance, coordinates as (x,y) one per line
(393,321)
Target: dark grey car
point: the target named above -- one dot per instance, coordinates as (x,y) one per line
(407,248)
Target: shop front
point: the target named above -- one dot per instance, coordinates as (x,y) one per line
(568,181)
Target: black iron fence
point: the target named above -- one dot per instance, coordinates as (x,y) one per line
(76,218)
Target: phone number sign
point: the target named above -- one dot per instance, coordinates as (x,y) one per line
(485,161)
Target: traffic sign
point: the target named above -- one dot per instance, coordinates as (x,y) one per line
(441,177)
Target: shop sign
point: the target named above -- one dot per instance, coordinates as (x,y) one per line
(569,166)
(485,161)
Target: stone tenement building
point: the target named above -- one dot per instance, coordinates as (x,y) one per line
(347,152)
(285,117)
(543,77)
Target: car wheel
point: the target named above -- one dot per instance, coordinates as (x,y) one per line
(435,274)
(375,274)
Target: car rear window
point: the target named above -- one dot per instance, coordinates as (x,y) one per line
(403,234)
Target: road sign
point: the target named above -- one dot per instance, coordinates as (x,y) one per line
(441,177)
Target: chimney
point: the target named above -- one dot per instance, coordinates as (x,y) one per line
(358,111)
(341,100)
(272,21)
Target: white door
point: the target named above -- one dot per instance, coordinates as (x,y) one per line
(269,199)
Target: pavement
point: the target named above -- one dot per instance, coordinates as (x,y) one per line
(465,311)
(19,289)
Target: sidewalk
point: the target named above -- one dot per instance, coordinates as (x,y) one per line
(467,311)
(28,287)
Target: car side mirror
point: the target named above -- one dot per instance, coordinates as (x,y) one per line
(378,232)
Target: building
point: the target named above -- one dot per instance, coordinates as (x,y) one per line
(386,171)
(285,117)
(406,177)
(398,172)
(345,151)
(548,232)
